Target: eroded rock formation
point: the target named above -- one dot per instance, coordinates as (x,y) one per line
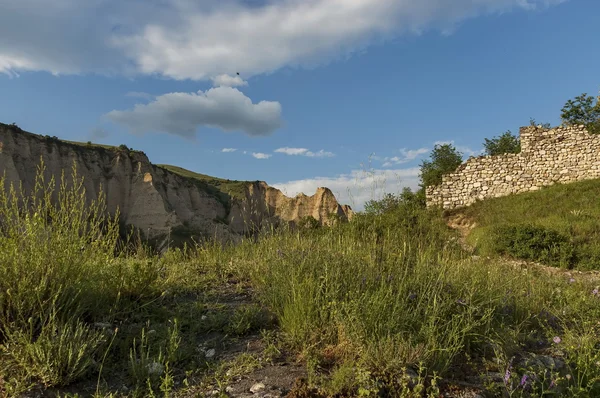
(155,199)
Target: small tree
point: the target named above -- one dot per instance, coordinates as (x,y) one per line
(392,202)
(445,158)
(505,143)
(584,109)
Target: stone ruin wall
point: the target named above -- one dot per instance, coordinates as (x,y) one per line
(560,155)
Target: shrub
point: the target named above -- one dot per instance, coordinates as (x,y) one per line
(534,243)
(584,109)
(505,143)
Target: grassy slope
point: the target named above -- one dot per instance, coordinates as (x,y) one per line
(359,303)
(233,188)
(573,210)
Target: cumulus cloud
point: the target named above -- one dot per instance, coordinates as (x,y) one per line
(260,155)
(225,108)
(304,152)
(227,150)
(228,81)
(356,187)
(406,155)
(184,39)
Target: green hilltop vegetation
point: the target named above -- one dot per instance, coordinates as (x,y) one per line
(233,188)
(557,226)
(391,304)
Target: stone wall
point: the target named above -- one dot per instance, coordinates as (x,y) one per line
(563,154)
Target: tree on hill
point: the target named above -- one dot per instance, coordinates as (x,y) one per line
(392,202)
(584,109)
(444,159)
(505,143)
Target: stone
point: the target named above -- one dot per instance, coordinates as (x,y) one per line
(155,199)
(256,388)
(547,157)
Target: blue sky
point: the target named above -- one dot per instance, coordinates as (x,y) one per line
(349,94)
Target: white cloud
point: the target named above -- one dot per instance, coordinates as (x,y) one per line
(185,39)
(228,81)
(406,155)
(259,155)
(357,187)
(305,152)
(227,150)
(225,108)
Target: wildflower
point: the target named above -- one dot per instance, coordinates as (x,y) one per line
(507,376)
(595,292)
(572,280)
(556,339)
(523,380)
(461,302)
(568,377)
(552,385)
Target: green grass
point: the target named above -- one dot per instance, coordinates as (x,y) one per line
(387,305)
(233,188)
(569,211)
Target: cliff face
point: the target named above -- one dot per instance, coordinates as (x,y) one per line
(156,199)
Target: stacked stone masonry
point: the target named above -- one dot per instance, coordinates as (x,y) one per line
(560,155)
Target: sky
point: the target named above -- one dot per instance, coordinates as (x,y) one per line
(347,94)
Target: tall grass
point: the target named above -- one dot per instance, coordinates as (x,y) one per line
(61,272)
(387,292)
(568,213)
(383,306)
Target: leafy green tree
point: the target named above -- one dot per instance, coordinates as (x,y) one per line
(390,202)
(505,143)
(584,109)
(444,159)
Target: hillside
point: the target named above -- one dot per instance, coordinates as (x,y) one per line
(161,201)
(557,225)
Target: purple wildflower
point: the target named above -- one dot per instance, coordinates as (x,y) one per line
(556,339)
(595,292)
(572,280)
(552,385)
(507,376)
(523,380)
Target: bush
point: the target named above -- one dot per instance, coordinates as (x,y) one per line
(530,242)
(584,109)
(505,143)
(444,159)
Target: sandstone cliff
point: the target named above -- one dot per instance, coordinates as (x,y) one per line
(161,200)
